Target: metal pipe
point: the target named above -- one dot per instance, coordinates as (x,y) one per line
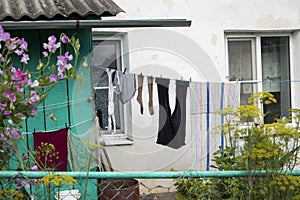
(75,24)
(147,175)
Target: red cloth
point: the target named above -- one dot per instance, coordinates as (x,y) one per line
(56,159)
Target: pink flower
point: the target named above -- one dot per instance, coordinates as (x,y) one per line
(10,95)
(7,113)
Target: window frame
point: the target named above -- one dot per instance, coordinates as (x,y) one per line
(124,132)
(256,38)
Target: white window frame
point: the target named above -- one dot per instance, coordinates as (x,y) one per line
(123,136)
(256,38)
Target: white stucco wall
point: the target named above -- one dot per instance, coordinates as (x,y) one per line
(196,52)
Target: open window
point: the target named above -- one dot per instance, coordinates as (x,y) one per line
(108,53)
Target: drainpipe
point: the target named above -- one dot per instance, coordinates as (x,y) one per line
(75,24)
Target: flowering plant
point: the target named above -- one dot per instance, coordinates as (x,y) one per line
(21,91)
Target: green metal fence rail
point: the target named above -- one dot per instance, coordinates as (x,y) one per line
(147,175)
(116,185)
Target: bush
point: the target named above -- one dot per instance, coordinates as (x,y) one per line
(271,147)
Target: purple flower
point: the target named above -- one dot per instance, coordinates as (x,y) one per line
(2,106)
(19,52)
(11,43)
(19,87)
(34,111)
(10,95)
(34,168)
(68,57)
(25,58)
(7,112)
(34,97)
(24,156)
(33,84)
(13,132)
(23,44)
(65,39)
(51,45)
(62,62)
(4,36)
(53,78)
(60,76)
(45,53)
(22,183)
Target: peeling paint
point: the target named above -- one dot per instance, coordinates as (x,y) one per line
(169,3)
(154,57)
(270,21)
(214,39)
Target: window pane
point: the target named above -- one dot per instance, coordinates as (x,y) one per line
(106,53)
(240,60)
(241,66)
(276,75)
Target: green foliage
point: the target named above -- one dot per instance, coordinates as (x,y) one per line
(251,145)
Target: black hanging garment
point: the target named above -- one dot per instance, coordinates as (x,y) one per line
(172,126)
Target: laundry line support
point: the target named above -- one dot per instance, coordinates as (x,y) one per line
(147,175)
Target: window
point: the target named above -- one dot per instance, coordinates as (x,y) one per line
(107,53)
(262,63)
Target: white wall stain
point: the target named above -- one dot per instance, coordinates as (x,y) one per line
(154,57)
(169,3)
(270,21)
(213,39)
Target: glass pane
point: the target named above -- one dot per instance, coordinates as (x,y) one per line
(241,66)
(240,60)
(101,104)
(276,75)
(106,54)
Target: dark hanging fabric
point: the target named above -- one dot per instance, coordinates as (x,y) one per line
(99,115)
(171,131)
(140,78)
(150,92)
(56,159)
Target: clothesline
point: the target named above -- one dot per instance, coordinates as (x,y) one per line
(190,79)
(161,76)
(62,104)
(59,127)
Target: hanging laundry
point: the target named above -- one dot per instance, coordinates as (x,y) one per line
(51,149)
(150,92)
(125,86)
(172,126)
(111,114)
(83,146)
(205,100)
(140,92)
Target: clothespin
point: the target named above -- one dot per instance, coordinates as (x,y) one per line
(124,70)
(237,81)
(181,78)
(160,75)
(190,80)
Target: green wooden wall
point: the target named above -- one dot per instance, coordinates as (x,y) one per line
(70,101)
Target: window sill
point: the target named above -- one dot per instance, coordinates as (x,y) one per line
(116,139)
